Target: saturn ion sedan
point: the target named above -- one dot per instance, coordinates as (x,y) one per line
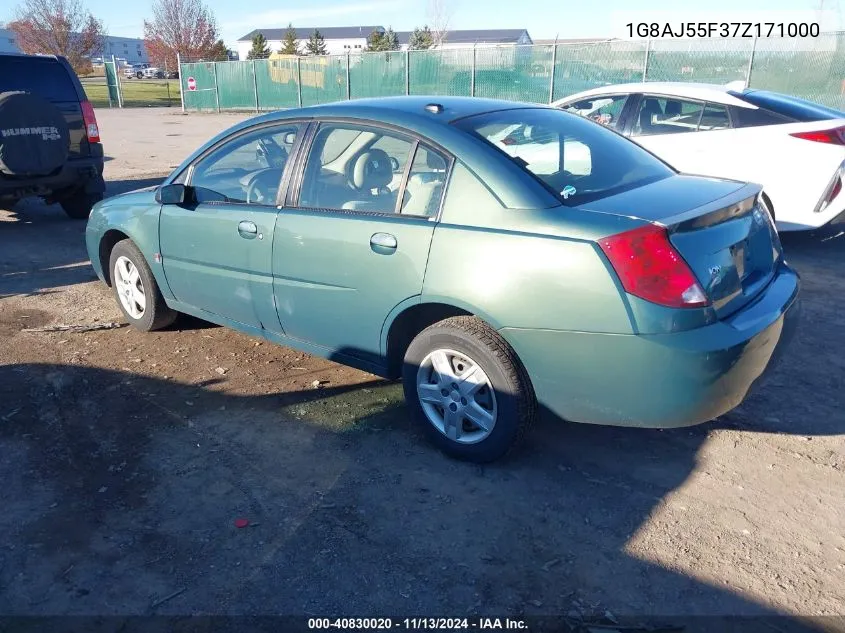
(591,283)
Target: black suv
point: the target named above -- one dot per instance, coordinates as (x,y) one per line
(49,140)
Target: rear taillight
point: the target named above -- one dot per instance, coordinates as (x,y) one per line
(650,268)
(91,129)
(836,136)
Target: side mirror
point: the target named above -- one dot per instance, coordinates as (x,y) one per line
(171,194)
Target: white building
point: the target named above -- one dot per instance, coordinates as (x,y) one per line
(339,39)
(481,37)
(128,50)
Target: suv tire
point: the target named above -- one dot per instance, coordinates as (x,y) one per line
(78,205)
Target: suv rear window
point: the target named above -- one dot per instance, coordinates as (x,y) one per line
(42,76)
(576,159)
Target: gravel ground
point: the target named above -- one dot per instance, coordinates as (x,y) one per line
(126,457)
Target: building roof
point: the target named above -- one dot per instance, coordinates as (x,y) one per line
(474,36)
(303,33)
(575,40)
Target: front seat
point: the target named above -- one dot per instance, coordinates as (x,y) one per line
(370,172)
(651,107)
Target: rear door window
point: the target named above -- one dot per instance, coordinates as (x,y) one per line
(659,115)
(42,76)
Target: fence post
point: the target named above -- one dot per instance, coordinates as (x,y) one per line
(407,71)
(552,78)
(167,82)
(472,74)
(750,62)
(179,71)
(645,61)
(117,83)
(299,80)
(348,87)
(255,84)
(216,88)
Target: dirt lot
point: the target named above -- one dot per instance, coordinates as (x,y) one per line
(126,457)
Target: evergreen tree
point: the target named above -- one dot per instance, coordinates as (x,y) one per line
(259,50)
(375,41)
(391,40)
(316,45)
(421,39)
(290,46)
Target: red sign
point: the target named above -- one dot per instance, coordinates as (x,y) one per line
(192,83)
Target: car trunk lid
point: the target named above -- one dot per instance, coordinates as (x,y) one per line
(719,227)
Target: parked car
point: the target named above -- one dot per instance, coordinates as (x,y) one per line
(135,71)
(794,148)
(393,235)
(49,140)
(153,73)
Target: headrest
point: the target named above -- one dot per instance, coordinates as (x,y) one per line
(371,170)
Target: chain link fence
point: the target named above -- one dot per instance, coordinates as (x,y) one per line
(536,73)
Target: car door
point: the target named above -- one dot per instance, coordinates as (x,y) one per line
(353,241)
(693,136)
(217,248)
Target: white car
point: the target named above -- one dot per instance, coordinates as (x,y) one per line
(794,148)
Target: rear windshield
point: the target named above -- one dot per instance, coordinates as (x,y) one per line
(792,107)
(40,75)
(576,159)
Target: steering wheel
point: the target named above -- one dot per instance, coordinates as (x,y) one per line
(255,192)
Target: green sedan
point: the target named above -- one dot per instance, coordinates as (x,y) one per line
(502,259)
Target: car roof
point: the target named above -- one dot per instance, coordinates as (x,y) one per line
(715,93)
(413,107)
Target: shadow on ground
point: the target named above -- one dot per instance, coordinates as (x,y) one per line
(120,490)
(43,248)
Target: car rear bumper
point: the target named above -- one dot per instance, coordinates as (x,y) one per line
(78,173)
(660,381)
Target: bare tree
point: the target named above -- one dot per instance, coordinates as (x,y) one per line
(184,27)
(439,15)
(59,27)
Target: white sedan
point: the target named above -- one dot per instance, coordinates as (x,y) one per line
(794,148)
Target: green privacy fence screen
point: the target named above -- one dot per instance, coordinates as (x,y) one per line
(537,73)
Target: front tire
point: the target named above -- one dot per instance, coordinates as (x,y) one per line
(467,388)
(136,290)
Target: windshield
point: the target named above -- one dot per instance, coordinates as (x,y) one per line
(576,159)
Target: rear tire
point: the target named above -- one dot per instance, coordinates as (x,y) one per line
(445,365)
(136,290)
(78,205)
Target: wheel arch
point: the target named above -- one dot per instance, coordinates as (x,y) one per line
(410,318)
(107,243)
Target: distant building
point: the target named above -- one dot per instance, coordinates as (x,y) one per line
(480,37)
(127,50)
(353,39)
(339,39)
(7,42)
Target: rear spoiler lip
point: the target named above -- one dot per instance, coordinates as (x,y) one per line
(729,204)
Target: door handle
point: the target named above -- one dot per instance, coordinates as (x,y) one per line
(247,229)
(383,243)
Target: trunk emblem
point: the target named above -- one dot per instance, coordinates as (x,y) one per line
(714,271)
